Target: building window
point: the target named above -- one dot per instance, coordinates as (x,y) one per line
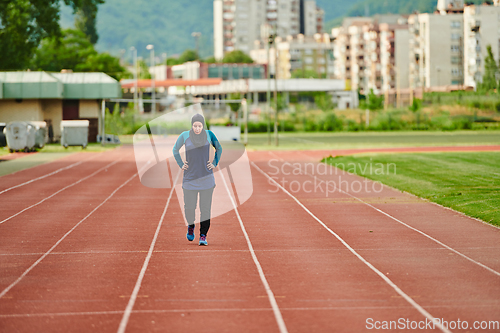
(456,72)
(455,36)
(455,24)
(455,48)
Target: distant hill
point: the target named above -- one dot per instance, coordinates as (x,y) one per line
(167,24)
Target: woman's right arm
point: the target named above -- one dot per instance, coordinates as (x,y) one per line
(178,145)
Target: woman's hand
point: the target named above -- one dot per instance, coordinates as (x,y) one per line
(185,166)
(210,166)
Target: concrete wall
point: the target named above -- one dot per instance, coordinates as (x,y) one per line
(24,110)
(89,108)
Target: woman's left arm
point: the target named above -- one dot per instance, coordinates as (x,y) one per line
(217,146)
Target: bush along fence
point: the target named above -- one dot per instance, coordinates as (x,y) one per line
(126,122)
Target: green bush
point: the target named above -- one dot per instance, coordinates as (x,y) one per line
(353,126)
(331,122)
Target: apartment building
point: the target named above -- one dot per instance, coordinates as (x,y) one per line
(481,28)
(436,49)
(394,55)
(357,51)
(305,53)
(239,23)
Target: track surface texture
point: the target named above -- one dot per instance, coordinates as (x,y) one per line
(84,247)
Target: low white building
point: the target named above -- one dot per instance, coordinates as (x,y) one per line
(53,97)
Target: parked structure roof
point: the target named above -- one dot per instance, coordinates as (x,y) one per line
(30,85)
(88,85)
(44,85)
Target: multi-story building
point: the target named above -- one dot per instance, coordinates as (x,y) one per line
(357,51)
(481,28)
(394,56)
(436,49)
(238,23)
(304,53)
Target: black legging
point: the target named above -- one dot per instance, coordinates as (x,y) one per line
(190,201)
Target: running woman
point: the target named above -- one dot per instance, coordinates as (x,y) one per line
(198,173)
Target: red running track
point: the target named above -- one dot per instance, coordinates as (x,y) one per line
(107,254)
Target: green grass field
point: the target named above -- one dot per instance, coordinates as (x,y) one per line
(466,182)
(352,140)
(49,153)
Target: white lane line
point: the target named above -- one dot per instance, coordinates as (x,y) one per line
(409,226)
(428,236)
(93,313)
(59,191)
(48,175)
(379,273)
(135,292)
(6,290)
(321,308)
(232,250)
(270,294)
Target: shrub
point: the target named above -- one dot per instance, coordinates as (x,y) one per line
(331,122)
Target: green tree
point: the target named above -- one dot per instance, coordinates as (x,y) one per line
(143,70)
(85,19)
(372,102)
(324,101)
(236,105)
(74,51)
(188,55)
(415,108)
(23,25)
(67,52)
(210,60)
(281,102)
(103,62)
(490,71)
(172,61)
(238,57)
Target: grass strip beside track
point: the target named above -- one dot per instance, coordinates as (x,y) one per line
(28,161)
(466,182)
(352,140)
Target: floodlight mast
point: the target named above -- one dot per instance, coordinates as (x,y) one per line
(151,48)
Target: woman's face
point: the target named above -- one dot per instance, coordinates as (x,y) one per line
(197,127)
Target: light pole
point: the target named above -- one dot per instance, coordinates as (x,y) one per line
(196,36)
(276,120)
(134,56)
(151,48)
(269,41)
